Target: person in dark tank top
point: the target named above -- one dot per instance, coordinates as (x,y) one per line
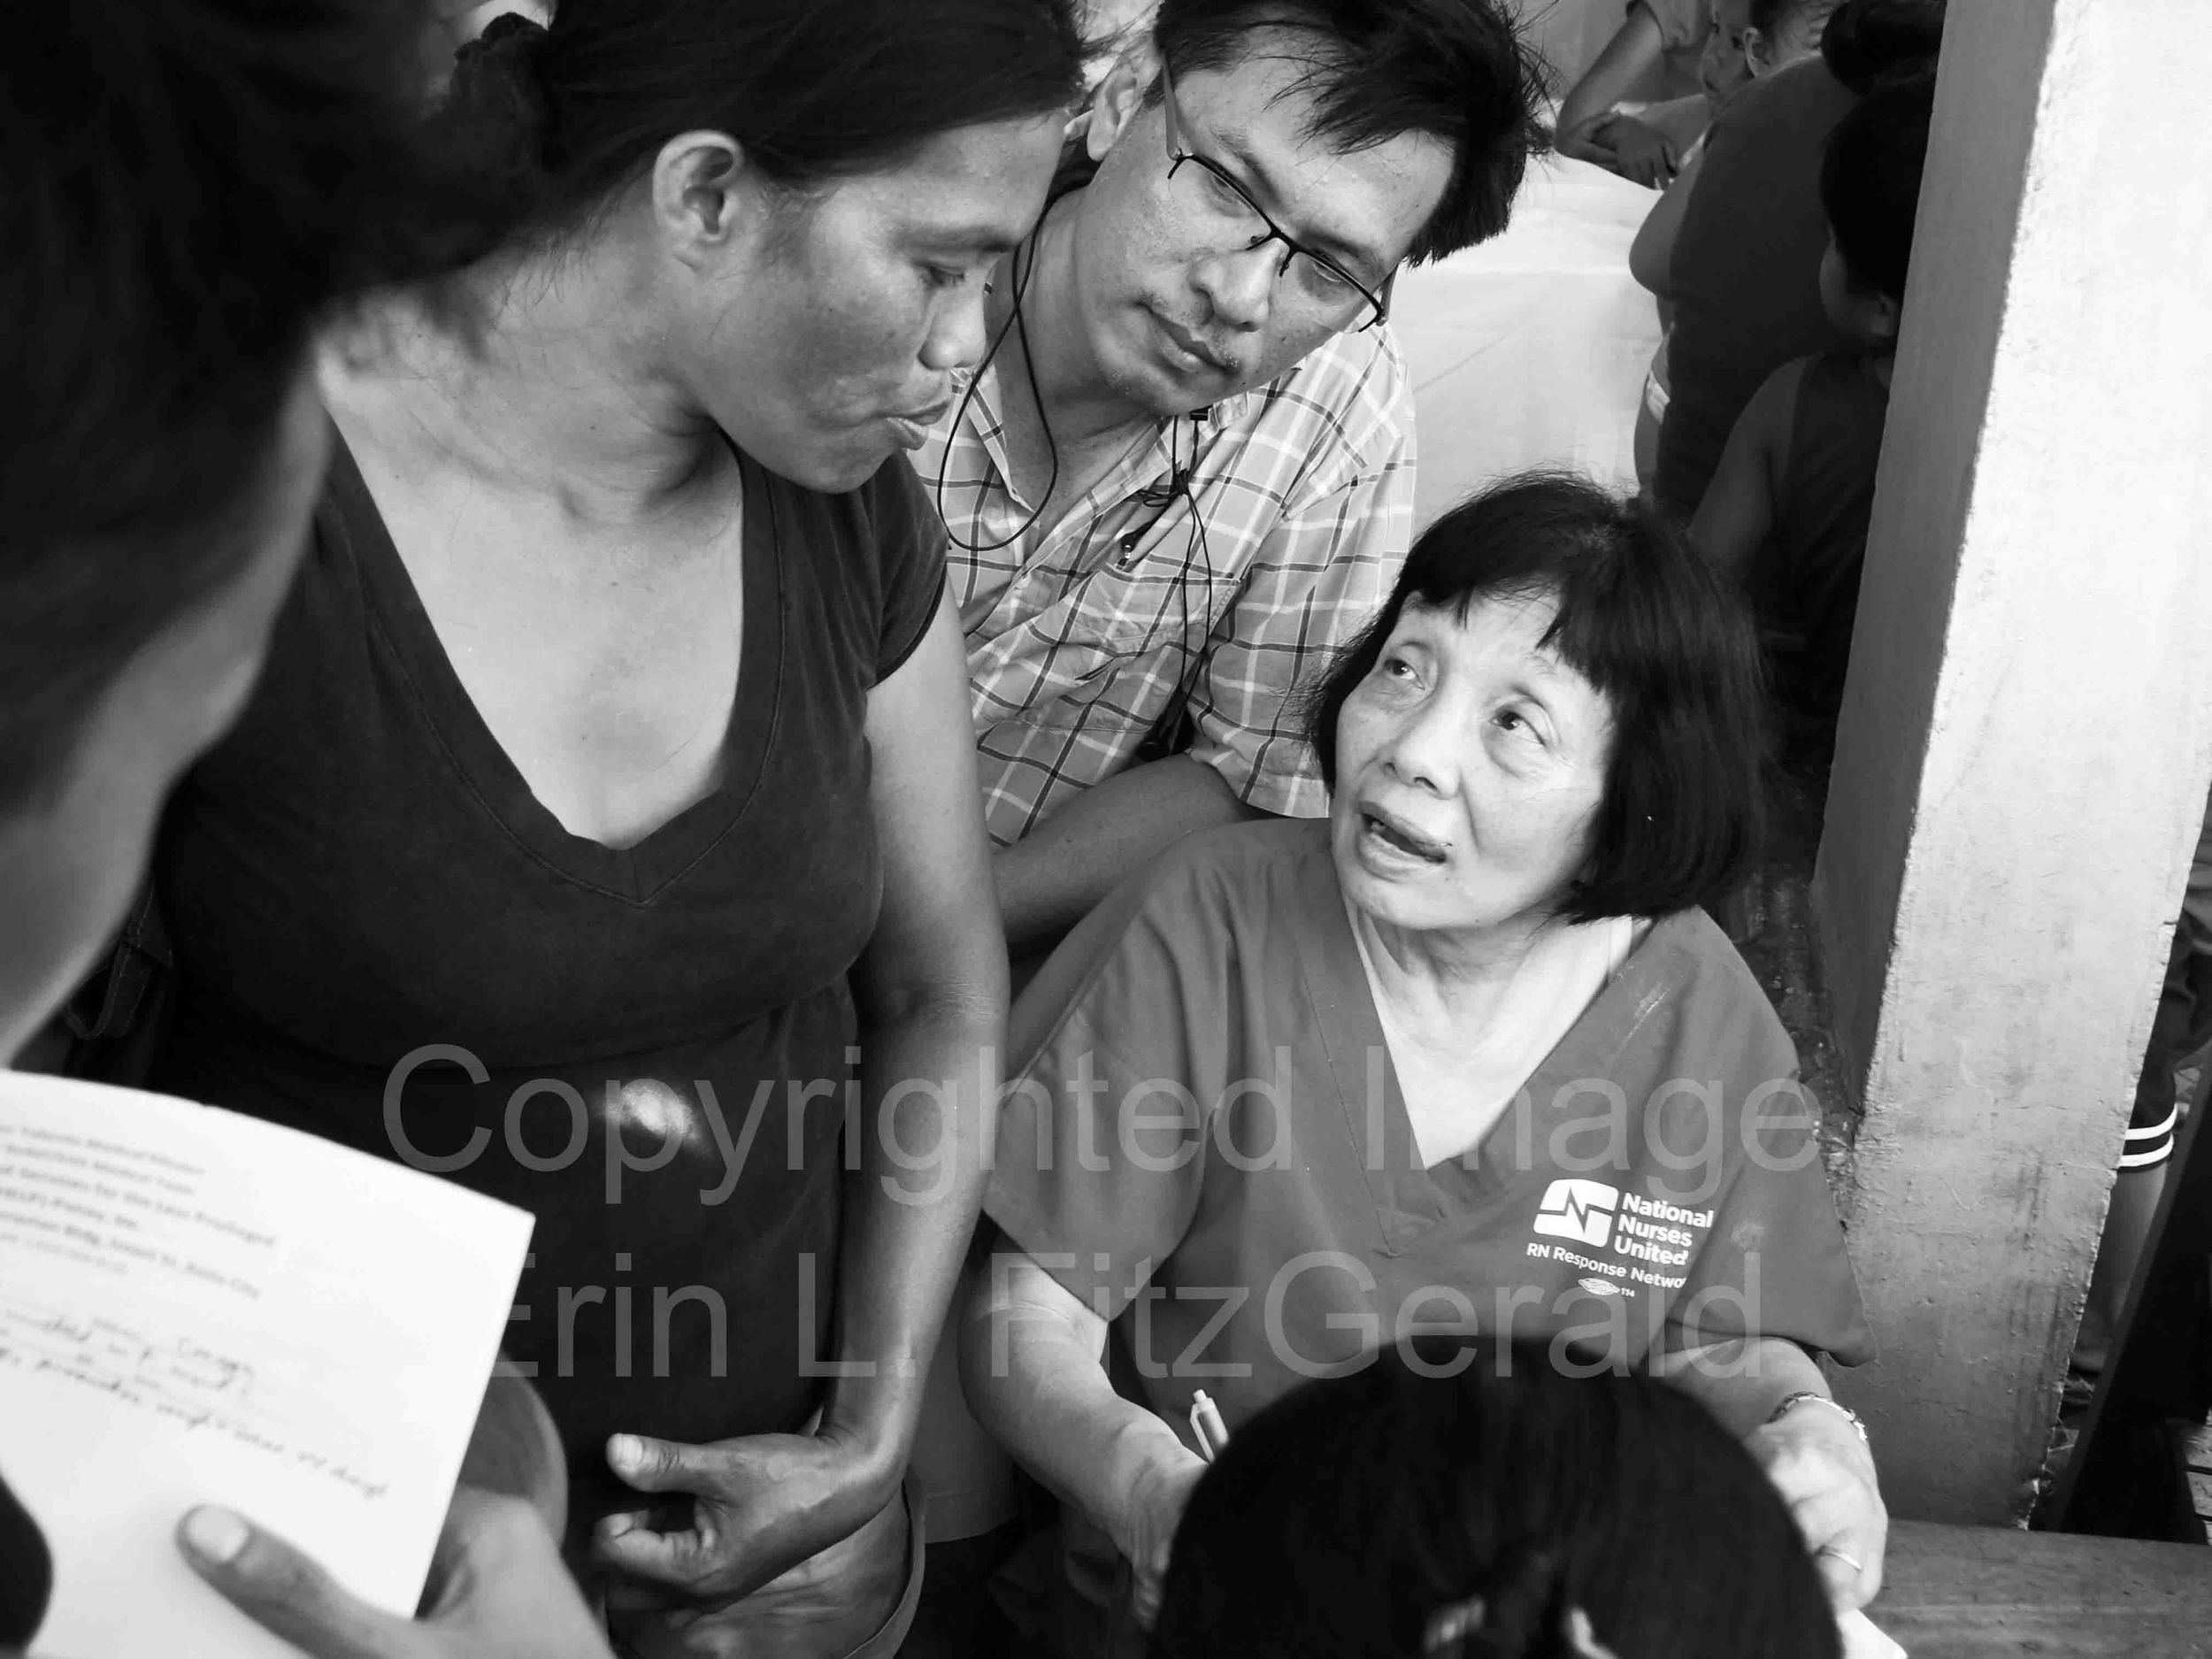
(1787,514)
(1743,272)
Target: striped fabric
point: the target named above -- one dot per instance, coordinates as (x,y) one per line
(2151,1143)
(1079,637)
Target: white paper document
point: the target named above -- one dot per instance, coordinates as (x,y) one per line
(1863,1638)
(196,1307)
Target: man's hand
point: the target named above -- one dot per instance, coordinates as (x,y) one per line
(1826,1474)
(760,1506)
(499,1591)
(1145,1529)
(1639,152)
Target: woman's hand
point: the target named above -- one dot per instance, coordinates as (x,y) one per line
(1826,1473)
(1639,152)
(1582,141)
(1144,1526)
(829,1605)
(760,1506)
(498,1589)
(1813,1452)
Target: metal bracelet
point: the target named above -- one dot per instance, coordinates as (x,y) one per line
(1790,1402)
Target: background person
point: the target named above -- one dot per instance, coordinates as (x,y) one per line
(1744,272)
(1184,475)
(157,512)
(1786,516)
(1299,1083)
(1750,39)
(615,721)
(1658,55)
(2180,1029)
(1462,1498)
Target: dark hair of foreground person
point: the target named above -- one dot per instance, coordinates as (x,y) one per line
(192,185)
(1473,1512)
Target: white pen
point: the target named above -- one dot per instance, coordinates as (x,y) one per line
(1206,1426)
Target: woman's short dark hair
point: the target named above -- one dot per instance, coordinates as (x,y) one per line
(566,115)
(1643,618)
(1457,70)
(192,185)
(1866,40)
(1870,180)
(1369,1515)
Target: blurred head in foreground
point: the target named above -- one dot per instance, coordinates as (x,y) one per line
(193,186)
(1467,1500)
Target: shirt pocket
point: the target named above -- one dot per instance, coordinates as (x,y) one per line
(1087,686)
(1167,589)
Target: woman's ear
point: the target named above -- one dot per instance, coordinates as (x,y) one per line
(1758,52)
(702,194)
(1116,100)
(1885,317)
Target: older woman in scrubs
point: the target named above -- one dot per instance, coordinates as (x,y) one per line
(1465,1057)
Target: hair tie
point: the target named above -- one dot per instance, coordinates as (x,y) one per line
(498,96)
(1447,1624)
(1582,1640)
(509,37)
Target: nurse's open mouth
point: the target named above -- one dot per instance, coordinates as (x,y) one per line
(1403,836)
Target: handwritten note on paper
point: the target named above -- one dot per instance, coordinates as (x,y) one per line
(196,1307)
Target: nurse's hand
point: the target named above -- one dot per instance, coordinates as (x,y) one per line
(1826,1473)
(498,1589)
(759,1506)
(1143,1528)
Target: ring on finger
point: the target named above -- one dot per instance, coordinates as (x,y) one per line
(1847,1559)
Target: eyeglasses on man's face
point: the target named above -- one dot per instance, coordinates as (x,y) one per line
(1315,284)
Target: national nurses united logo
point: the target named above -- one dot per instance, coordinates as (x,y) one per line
(1637,1240)
(1578,1210)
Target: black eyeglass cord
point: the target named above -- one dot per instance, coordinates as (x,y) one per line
(1014,322)
(1159,497)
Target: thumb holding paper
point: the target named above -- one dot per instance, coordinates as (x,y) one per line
(503,1593)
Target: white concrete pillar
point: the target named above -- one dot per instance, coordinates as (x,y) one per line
(2026,740)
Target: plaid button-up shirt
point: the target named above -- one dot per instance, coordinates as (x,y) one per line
(1080,638)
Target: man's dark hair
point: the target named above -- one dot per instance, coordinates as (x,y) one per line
(1464,1509)
(1870,180)
(567,114)
(192,185)
(1644,619)
(1866,40)
(1457,70)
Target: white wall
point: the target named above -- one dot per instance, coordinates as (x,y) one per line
(2026,742)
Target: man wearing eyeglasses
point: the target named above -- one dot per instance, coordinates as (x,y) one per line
(1184,476)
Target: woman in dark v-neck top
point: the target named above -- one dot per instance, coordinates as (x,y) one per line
(369,905)
(383,938)
(747,1228)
